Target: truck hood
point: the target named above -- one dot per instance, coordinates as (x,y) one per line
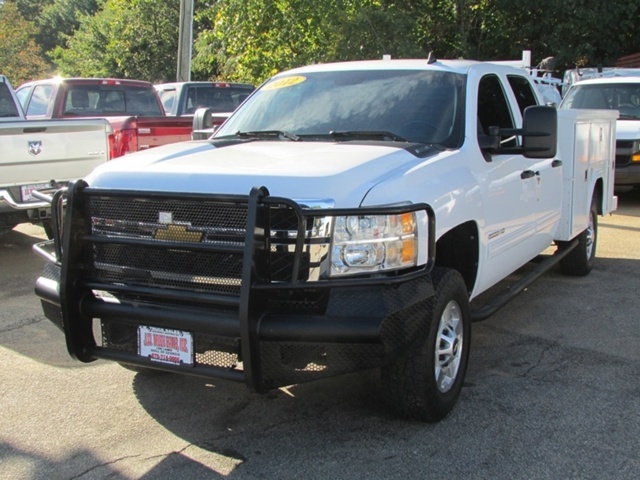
(628,129)
(340,172)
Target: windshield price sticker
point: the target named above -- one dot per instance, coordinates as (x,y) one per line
(165,346)
(284,82)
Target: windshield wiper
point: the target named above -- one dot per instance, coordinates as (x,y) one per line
(269,134)
(368,135)
(627,116)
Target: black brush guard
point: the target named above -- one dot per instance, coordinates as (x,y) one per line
(384,312)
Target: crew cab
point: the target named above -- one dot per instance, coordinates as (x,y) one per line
(343,218)
(41,155)
(614,90)
(132,107)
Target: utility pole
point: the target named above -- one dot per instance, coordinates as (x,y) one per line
(185,40)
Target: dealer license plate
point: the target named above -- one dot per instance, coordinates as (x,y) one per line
(26,190)
(165,346)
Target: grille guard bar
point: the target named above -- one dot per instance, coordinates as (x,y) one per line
(78,305)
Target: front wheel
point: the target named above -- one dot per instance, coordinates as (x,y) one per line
(48,228)
(580,260)
(424,383)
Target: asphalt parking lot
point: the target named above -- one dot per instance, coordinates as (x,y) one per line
(552,392)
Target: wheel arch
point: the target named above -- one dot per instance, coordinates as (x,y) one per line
(458,249)
(598,195)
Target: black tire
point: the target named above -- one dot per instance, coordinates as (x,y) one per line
(416,384)
(48,228)
(580,260)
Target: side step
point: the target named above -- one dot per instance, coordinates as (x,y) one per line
(500,300)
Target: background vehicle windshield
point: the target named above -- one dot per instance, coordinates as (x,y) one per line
(420,106)
(624,97)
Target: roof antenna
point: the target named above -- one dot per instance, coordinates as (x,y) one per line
(373,29)
(431,58)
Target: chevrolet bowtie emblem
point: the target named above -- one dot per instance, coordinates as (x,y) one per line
(178,233)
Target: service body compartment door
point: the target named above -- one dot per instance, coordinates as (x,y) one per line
(586,147)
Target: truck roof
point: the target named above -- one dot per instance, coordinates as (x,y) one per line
(204,82)
(454,66)
(610,80)
(93,81)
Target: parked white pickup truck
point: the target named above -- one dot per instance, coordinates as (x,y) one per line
(41,156)
(341,219)
(618,90)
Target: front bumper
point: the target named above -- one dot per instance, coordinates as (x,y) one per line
(272,333)
(627,175)
(362,327)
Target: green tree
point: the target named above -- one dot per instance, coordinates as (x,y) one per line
(576,32)
(58,20)
(30,9)
(125,39)
(20,57)
(250,40)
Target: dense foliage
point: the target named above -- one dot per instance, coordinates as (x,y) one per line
(249,40)
(20,57)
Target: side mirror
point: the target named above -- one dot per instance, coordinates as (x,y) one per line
(202,124)
(490,142)
(540,132)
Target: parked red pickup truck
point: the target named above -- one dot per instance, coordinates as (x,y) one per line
(132,107)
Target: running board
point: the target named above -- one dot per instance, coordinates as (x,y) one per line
(500,300)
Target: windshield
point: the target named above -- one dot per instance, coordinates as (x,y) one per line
(624,97)
(415,106)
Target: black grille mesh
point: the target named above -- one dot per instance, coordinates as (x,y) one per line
(143,217)
(287,363)
(161,221)
(199,222)
(194,271)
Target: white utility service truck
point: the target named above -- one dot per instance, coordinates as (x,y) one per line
(341,219)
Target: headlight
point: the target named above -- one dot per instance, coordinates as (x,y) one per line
(373,243)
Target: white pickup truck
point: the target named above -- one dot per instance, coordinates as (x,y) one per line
(341,219)
(41,156)
(617,90)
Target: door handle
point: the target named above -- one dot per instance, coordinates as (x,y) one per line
(528,174)
(556,163)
